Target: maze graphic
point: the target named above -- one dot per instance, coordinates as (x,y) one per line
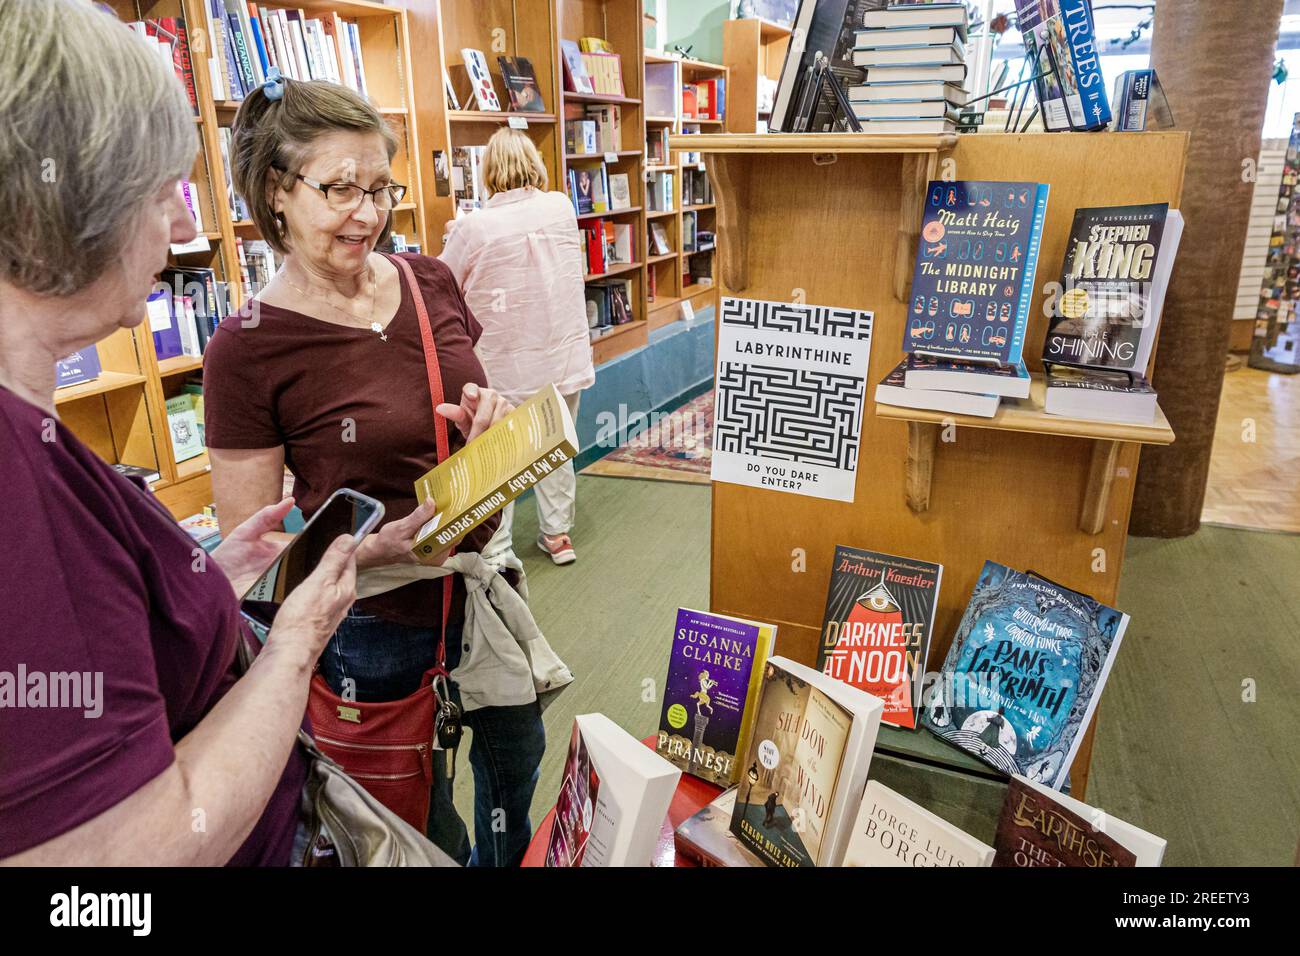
(785,317)
(789,414)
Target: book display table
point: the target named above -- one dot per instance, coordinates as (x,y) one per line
(833,219)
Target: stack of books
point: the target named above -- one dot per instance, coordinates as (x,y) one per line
(915,61)
(971,292)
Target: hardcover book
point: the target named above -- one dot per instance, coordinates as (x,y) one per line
(521,84)
(576,79)
(496,468)
(1040,827)
(877,626)
(485,94)
(613,798)
(891,830)
(706,837)
(1024,674)
(183,425)
(81,366)
(1113,281)
(805,767)
(974,274)
(1059,36)
(893,390)
(708,706)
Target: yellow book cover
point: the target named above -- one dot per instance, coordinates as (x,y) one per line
(594,45)
(495,469)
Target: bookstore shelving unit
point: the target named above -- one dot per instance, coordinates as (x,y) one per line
(751,49)
(122,414)
(1026,489)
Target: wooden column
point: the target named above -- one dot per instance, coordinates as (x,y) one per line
(1217,82)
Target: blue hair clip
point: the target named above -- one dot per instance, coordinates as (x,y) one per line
(273,88)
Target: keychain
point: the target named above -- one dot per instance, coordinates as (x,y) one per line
(447,728)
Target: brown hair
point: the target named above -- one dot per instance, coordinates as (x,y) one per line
(512,161)
(273,135)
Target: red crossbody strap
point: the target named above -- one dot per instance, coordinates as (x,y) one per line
(434,371)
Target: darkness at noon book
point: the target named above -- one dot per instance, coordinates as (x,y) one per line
(893,390)
(804,771)
(1040,827)
(974,274)
(1113,281)
(713,675)
(877,626)
(1024,673)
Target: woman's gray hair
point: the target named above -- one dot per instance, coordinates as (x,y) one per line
(92,123)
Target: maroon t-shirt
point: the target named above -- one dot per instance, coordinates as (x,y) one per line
(100,581)
(351,409)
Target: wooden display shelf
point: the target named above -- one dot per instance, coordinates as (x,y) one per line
(662,120)
(599,157)
(1025,415)
(817,143)
(666,314)
(615,212)
(601,98)
(105,382)
(699,207)
(619,340)
(617,270)
(696,289)
(697,121)
(495,116)
(660,213)
(661,257)
(192,468)
(179,365)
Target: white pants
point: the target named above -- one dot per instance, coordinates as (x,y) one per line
(557,501)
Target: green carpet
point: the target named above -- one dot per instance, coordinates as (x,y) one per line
(1177,752)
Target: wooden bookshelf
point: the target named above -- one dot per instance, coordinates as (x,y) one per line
(751,49)
(122,414)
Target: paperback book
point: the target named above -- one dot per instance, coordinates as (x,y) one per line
(496,468)
(944,375)
(892,830)
(974,274)
(613,798)
(708,701)
(1099,395)
(1024,674)
(521,84)
(485,94)
(1060,39)
(1113,281)
(81,366)
(1040,827)
(877,626)
(706,838)
(805,766)
(894,390)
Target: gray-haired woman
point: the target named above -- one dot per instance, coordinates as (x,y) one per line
(166,758)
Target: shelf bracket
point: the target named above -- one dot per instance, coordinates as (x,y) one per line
(917,171)
(729,176)
(922,439)
(1101,478)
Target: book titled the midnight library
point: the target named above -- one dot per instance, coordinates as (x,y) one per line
(1040,827)
(1113,282)
(496,468)
(1024,674)
(713,675)
(877,626)
(974,275)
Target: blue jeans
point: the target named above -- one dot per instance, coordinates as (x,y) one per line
(387,661)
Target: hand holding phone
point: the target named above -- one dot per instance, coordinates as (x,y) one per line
(312,612)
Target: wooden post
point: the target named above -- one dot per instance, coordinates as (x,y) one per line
(1217,82)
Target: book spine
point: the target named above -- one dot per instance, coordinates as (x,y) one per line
(183,63)
(241,54)
(259,43)
(1077,17)
(491,503)
(1016,350)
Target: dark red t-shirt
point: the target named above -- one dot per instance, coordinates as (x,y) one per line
(351,409)
(97,579)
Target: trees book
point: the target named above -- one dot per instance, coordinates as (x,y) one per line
(877,626)
(708,700)
(1024,673)
(613,798)
(804,770)
(892,830)
(494,469)
(1061,41)
(974,274)
(1040,827)
(1113,281)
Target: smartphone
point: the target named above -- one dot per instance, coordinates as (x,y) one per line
(345,512)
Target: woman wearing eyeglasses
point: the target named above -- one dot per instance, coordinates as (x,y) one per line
(325,373)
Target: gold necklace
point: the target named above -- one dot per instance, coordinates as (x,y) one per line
(374,293)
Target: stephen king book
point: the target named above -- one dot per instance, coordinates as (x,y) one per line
(877,626)
(1113,282)
(713,675)
(1024,674)
(1040,827)
(974,274)
(805,767)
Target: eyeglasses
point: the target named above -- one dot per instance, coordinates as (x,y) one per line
(345,197)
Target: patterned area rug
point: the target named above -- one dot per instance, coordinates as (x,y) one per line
(677,446)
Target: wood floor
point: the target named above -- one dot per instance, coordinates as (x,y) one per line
(1254,477)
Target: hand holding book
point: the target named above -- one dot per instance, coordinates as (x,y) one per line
(479,409)
(393,543)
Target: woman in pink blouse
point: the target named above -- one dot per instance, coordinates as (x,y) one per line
(518,261)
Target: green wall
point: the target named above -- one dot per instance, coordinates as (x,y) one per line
(698,23)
